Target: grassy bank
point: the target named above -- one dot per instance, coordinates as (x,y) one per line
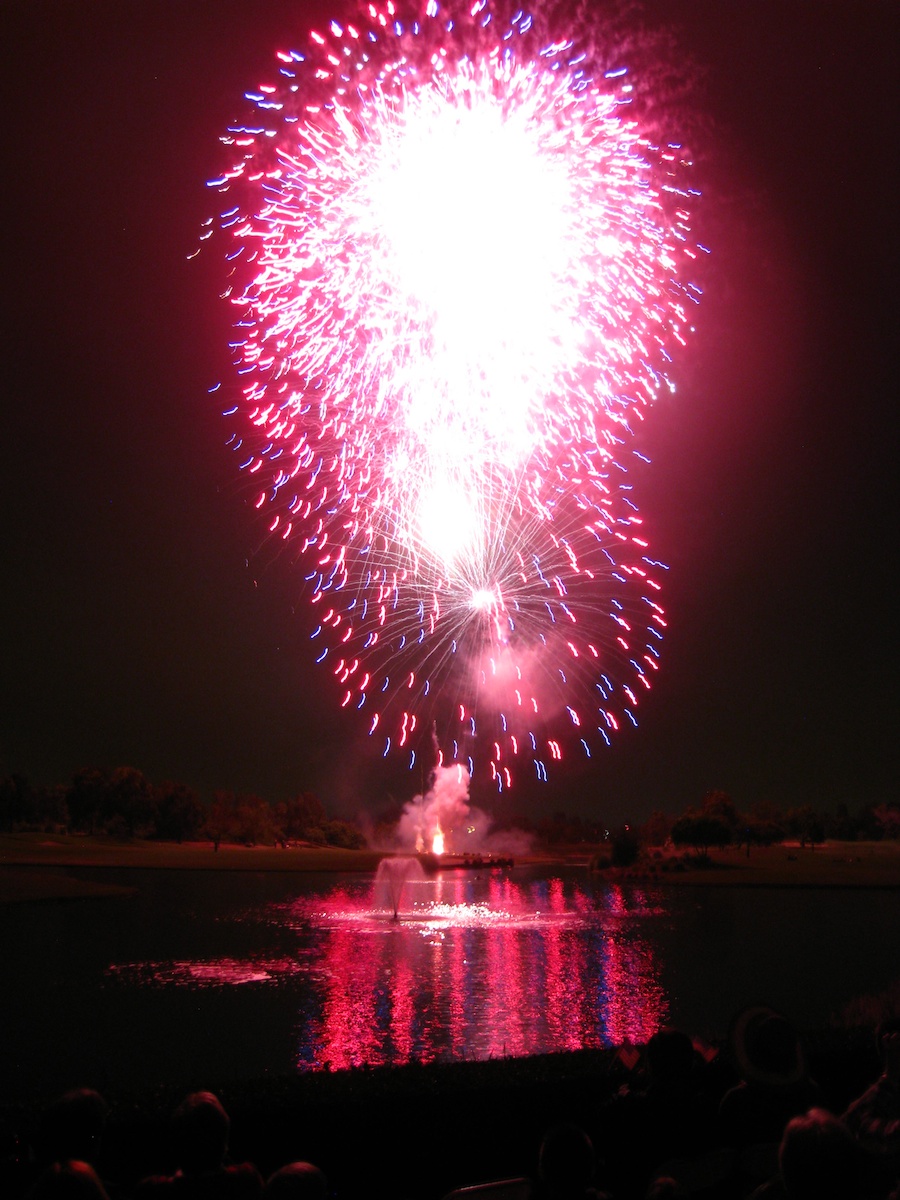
(832,864)
(80,850)
(33,865)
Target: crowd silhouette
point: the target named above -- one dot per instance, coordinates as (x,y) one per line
(747,1124)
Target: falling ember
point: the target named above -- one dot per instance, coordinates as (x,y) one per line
(460,267)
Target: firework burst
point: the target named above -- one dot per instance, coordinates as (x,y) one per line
(456,260)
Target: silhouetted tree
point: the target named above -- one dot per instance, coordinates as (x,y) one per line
(719,805)
(625,847)
(315,835)
(763,833)
(888,817)
(806,825)
(868,826)
(344,835)
(179,813)
(220,824)
(700,831)
(52,808)
(567,828)
(300,813)
(86,796)
(842,826)
(127,805)
(657,829)
(17,803)
(254,824)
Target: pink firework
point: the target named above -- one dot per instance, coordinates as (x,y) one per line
(456,266)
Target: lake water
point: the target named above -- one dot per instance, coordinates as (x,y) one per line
(215,975)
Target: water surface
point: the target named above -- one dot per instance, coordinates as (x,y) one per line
(211,975)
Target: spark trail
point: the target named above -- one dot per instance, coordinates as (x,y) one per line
(458,262)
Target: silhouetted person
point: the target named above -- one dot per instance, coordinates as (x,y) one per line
(199,1130)
(665,1114)
(874,1118)
(567,1165)
(818,1159)
(70,1180)
(72,1128)
(675,1109)
(774,1086)
(297,1181)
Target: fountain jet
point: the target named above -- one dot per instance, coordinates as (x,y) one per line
(391,879)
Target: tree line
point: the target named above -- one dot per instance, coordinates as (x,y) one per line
(717,821)
(122,802)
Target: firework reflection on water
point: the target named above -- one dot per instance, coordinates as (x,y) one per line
(455,977)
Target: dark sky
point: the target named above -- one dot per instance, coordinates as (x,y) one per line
(140,627)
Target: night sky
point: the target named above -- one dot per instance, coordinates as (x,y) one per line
(144,624)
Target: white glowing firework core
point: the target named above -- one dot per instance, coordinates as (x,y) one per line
(446,521)
(483,600)
(472,200)
(463,189)
(478,239)
(458,274)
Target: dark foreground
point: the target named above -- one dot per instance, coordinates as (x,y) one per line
(413,1132)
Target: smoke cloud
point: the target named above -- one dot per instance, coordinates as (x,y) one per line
(444,809)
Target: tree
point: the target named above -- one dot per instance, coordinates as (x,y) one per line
(719,806)
(572,829)
(344,835)
(888,818)
(253,821)
(842,826)
(86,796)
(869,827)
(762,833)
(17,802)
(806,825)
(220,823)
(700,831)
(315,835)
(294,817)
(127,805)
(52,809)
(179,813)
(657,829)
(625,847)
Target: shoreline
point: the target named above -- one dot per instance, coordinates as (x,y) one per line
(404,1118)
(35,866)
